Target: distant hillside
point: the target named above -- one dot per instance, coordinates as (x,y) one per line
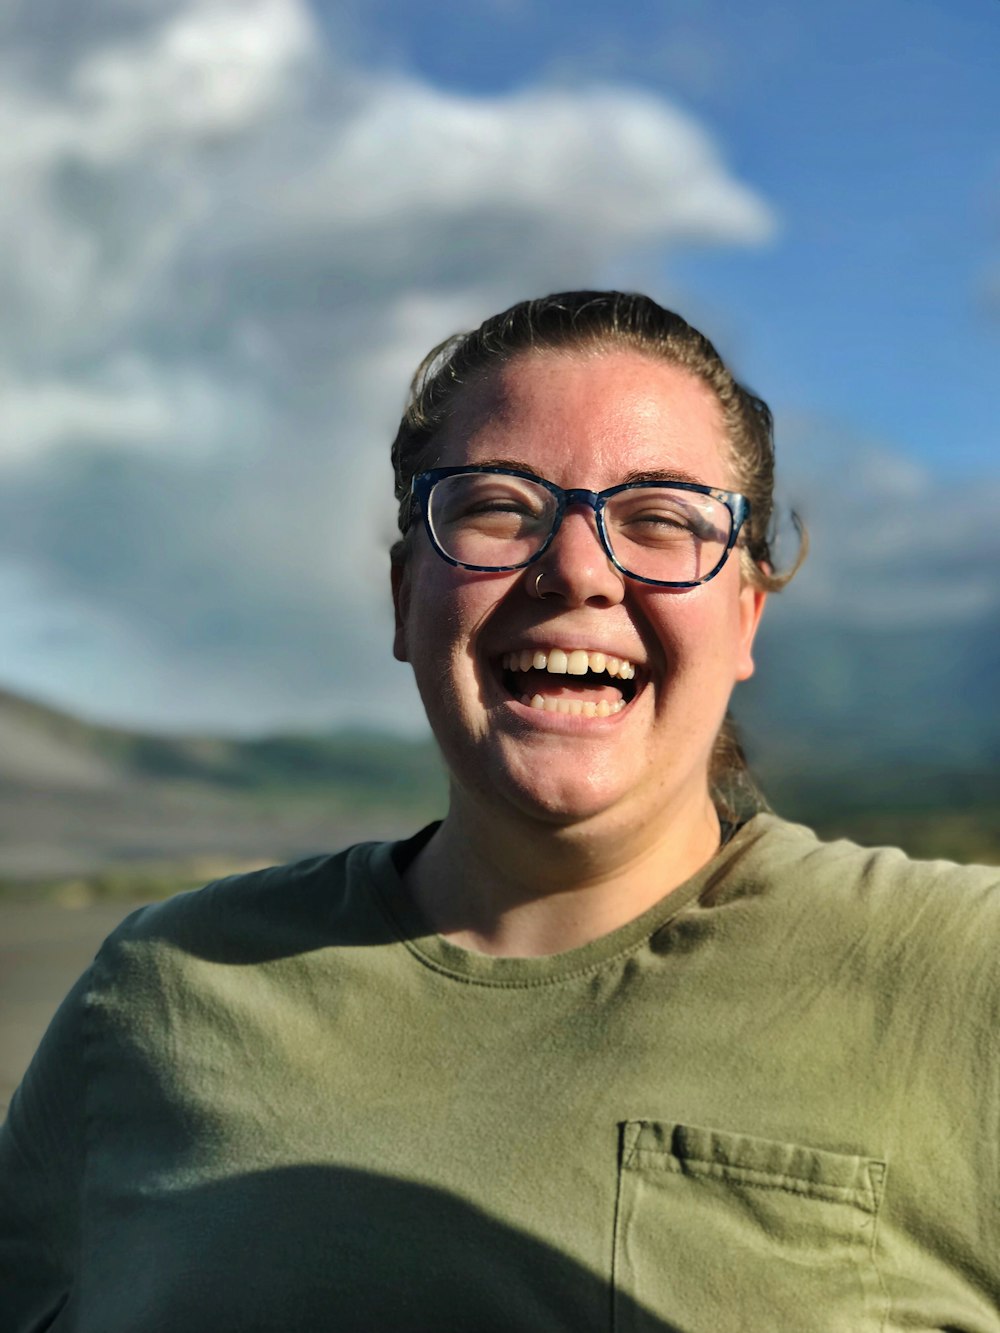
(76,797)
(42,746)
(842,697)
(883,734)
(84,801)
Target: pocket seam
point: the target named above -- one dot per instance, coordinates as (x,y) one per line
(864,1197)
(865,1192)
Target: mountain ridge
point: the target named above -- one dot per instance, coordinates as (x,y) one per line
(77,797)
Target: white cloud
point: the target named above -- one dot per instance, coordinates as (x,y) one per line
(128,403)
(210,70)
(614,165)
(222,251)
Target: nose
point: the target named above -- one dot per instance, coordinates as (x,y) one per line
(576,566)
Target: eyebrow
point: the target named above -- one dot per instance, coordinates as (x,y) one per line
(515,465)
(666,475)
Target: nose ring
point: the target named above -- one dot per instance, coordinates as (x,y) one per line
(538,592)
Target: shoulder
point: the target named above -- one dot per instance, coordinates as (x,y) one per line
(903,909)
(793,850)
(273,912)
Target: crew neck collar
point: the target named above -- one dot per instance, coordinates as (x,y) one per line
(434,951)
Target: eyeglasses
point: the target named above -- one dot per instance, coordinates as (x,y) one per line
(495,519)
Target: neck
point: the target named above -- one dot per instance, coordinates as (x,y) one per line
(520,887)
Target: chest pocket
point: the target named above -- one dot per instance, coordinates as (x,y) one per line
(726,1232)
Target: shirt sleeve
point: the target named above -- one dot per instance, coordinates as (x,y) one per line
(42,1147)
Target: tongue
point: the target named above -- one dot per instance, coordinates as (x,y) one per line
(587,688)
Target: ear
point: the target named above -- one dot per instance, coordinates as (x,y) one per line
(751,609)
(399,573)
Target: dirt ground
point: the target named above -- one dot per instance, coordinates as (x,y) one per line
(43,949)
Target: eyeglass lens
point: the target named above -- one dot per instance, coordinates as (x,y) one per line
(655,532)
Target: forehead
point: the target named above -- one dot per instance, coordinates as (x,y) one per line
(590,418)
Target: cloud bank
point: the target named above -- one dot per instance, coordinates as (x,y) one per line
(892,544)
(223,248)
(222,251)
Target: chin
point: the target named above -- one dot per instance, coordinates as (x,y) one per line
(567,793)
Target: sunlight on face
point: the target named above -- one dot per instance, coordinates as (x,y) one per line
(486,648)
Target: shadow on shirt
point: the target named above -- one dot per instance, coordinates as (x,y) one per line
(305,1248)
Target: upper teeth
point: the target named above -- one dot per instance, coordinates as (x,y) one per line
(575,663)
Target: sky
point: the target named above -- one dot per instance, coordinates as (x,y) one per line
(229,229)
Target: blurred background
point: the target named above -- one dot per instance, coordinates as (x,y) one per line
(228,231)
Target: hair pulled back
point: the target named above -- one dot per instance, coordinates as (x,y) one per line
(592,321)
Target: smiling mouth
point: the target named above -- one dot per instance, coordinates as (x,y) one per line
(579,683)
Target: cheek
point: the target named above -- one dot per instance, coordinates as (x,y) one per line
(700,635)
(447,612)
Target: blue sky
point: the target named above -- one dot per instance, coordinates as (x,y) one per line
(230,228)
(872,130)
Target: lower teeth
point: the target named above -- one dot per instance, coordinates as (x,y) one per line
(575,707)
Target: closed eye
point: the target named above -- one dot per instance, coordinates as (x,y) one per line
(666,521)
(499,506)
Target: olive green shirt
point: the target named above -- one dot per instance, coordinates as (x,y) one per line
(769,1103)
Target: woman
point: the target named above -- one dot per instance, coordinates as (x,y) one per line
(605,1048)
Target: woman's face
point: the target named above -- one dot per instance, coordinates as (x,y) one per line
(580,420)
